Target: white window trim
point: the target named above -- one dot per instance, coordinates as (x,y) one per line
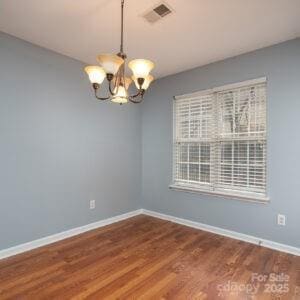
(252,197)
(221,88)
(201,189)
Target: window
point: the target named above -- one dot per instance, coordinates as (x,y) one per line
(220,140)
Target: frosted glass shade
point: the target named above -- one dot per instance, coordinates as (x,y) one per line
(141,67)
(146,83)
(128,82)
(96,74)
(121,97)
(110,62)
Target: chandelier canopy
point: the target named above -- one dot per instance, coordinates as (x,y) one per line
(112,67)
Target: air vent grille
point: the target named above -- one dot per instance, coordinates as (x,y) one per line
(157,13)
(162,10)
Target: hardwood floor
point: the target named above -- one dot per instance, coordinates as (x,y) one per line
(148,258)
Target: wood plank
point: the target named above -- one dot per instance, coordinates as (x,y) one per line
(148,258)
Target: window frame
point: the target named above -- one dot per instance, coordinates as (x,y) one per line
(209,189)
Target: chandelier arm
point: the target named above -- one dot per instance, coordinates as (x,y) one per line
(96,87)
(101,98)
(111,90)
(135,96)
(135,101)
(141,93)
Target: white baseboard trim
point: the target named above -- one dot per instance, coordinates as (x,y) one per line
(65,234)
(75,231)
(225,232)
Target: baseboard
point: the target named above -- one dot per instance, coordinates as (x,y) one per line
(227,233)
(75,231)
(65,234)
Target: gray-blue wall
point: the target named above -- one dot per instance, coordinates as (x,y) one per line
(281,65)
(59,147)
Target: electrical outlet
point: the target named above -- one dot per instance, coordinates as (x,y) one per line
(281,220)
(92,204)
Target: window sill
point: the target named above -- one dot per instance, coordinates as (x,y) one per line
(236,196)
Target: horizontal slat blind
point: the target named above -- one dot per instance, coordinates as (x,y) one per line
(220,140)
(193,136)
(241,136)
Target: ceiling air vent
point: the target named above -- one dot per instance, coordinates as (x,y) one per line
(157,13)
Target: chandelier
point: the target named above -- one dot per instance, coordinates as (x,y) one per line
(112,67)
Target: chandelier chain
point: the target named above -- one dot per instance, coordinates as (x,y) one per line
(122,26)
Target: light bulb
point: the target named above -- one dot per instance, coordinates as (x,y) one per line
(96,74)
(146,83)
(110,62)
(121,96)
(141,67)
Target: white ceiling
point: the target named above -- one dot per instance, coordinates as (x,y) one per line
(199,32)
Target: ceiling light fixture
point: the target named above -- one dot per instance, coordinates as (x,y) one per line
(112,67)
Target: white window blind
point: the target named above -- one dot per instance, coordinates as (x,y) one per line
(220,140)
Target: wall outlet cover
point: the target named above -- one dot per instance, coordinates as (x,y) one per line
(92,204)
(281,220)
